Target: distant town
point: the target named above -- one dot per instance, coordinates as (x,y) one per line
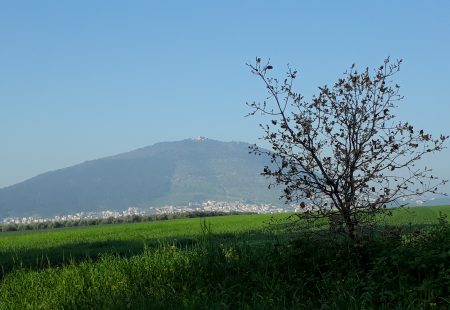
(206,206)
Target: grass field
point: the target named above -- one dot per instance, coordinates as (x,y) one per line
(38,249)
(226,262)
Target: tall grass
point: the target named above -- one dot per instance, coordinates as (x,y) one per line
(55,247)
(218,268)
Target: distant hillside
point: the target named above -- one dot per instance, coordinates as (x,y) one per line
(164,173)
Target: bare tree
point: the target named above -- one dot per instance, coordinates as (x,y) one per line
(343,152)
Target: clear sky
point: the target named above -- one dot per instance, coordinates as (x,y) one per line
(80,80)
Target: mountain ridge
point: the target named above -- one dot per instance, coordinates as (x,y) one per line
(176,172)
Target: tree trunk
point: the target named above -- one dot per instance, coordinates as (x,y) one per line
(350,225)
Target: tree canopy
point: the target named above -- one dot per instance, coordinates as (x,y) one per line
(343,152)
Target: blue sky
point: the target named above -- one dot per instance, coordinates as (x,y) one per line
(80,80)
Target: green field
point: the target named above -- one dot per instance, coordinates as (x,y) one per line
(56,246)
(227,262)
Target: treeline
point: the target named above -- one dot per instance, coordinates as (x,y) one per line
(113,220)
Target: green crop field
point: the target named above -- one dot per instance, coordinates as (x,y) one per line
(418,215)
(227,262)
(137,232)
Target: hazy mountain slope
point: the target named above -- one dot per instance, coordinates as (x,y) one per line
(164,173)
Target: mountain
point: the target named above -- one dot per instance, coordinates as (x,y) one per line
(165,173)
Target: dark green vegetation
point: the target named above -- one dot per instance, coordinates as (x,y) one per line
(173,173)
(229,262)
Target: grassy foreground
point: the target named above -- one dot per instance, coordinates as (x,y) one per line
(227,263)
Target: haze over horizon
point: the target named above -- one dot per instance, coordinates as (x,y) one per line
(89,79)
